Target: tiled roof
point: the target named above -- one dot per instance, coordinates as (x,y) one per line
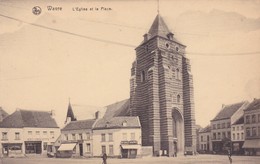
(117,122)
(28,118)
(81,124)
(228,111)
(120,108)
(254,105)
(3,113)
(206,129)
(159,28)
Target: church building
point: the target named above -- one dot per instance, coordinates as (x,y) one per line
(161,92)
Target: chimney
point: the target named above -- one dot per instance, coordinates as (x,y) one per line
(146,37)
(170,36)
(52,113)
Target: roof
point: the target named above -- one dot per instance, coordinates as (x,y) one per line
(28,118)
(254,105)
(228,111)
(117,122)
(205,130)
(120,108)
(78,125)
(159,28)
(3,113)
(239,121)
(70,113)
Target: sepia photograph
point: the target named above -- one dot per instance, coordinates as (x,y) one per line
(133,81)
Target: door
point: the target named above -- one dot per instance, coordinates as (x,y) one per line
(81,149)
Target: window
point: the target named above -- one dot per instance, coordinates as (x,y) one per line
(242,135)
(177,74)
(29,132)
(219,135)
(103,137)
(223,125)
(52,134)
(88,147)
(17,135)
(229,135)
(214,126)
(4,136)
(253,118)
(80,136)
(223,134)
(208,138)
(218,126)
(111,150)
(237,128)
(142,76)
(44,132)
(66,137)
(132,136)
(233,128)
(201,138)
(124,136)
(103,148)
(214,136)
(234,136)
(73,136)
(44,145)
(242,127)
(254,131)
(248,132)
(178,98)
(110,136)
(88,136)
(201,146)
(124,123)
(247,119)
(37,132)
(238,137)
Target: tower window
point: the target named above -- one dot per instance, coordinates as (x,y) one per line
(177,74)
(143,76)
(146,48)
(178,98)
(167,45)
(177,48)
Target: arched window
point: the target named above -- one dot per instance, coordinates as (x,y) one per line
(178,74)
(178,98)
(142,76)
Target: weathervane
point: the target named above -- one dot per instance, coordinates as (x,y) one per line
(158,6)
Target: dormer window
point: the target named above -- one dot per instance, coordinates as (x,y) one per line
(124,123)
(170,36)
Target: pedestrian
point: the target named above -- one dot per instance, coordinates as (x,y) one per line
(229,156)
(104,157)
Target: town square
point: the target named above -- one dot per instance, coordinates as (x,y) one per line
(129,82)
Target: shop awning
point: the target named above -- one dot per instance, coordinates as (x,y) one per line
(252,143)
(67,146)
(130,146)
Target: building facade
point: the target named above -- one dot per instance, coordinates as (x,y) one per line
(205,143)
(76,139)
(117,137)
(161,92)
(252,128)
(221,126)
(238,136)
(28,132)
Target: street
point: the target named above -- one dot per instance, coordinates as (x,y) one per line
(152,160)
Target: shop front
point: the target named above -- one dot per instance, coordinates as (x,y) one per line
(130,149)
(252,147)
(12,149)
(33,147)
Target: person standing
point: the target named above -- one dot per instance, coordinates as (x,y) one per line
(104,157)
(229,156)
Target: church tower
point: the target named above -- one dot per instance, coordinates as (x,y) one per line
(161,92)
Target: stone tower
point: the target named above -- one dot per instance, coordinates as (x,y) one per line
(161,92)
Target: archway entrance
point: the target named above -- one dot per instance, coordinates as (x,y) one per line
(178,131)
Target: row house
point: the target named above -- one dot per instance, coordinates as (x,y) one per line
(28,132)
(117,136)
(221,126)
(205,144)
(238,136)
(252,128)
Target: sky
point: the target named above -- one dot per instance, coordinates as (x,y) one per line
(86,56)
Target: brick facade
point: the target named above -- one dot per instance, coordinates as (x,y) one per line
(161,92)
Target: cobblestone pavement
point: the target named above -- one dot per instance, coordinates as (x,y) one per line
(209,159)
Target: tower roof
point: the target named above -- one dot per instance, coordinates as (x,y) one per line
(70,113)
(159,28)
